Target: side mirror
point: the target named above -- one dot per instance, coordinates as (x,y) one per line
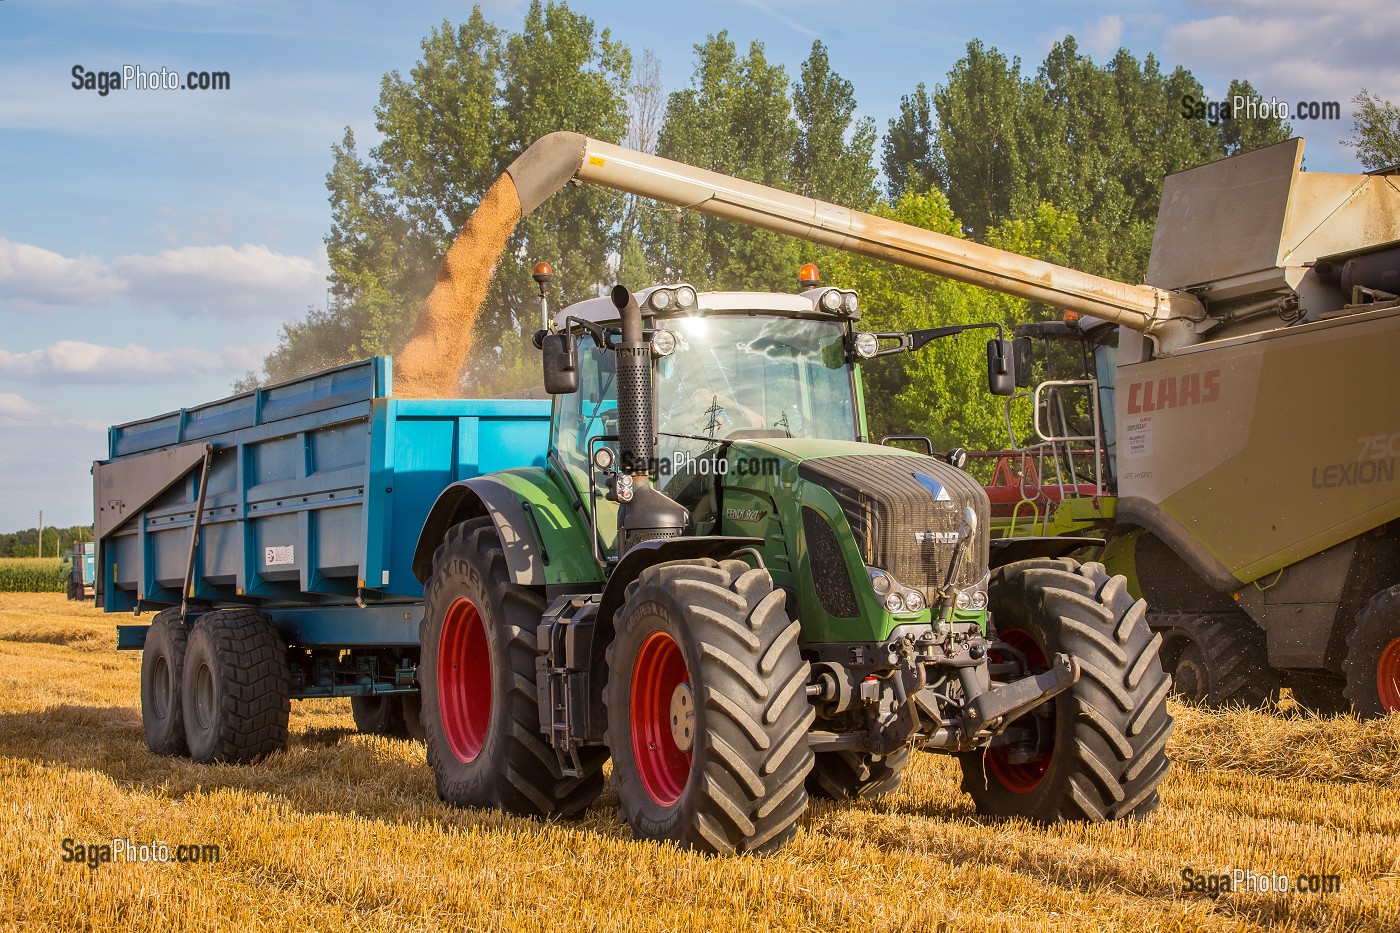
(1000,379)
(560,363)
(1023,352)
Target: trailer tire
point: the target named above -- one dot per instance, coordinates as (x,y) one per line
(1216,660)
(1372,665)
(479,706)
(162,667)
(236,688)
(380,714)
(1103,741)
(711,645)
(845,775)
(413,716)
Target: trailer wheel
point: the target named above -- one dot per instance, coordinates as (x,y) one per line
(707,709)
(1100,751)
(477,674)
(162,665)
(1216,660)
(381,714)
(844,775)
(413,717)
(236,688)
(1372,665)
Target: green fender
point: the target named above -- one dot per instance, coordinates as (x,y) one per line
(545,538)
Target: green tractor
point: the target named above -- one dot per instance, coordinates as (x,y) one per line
(719,583)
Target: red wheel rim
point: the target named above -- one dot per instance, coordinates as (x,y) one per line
(659,670)
(1022,777)
(464,680)
(1388,677)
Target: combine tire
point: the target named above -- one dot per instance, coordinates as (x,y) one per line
(845,775)
(1372,665)
(477,675)
(236,688)
(1101,746)
(1217,660)
(162,665)
(707,708)
(382,714)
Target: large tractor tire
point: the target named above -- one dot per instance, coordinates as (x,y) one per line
(382,714)
(1100,751)
(1217,660)
(477,674)
(236,687)
(162,670)
(1372,665)
(845,775)
(707,708)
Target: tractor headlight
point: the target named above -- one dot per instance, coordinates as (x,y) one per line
(831,301)
(663,299)
(880,582)
(685,297)
(663,343)
(851,303)
(974,600)
(867,345)
(894,602)
(603,458)
(914,601)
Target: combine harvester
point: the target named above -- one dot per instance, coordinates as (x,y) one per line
(1246,484)
(693,561)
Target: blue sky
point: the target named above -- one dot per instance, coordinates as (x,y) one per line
(153,242)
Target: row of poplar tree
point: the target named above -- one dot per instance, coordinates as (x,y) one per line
(1065,164)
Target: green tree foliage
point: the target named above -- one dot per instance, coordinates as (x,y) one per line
(1376,131)
(735,118)
(25,543)
(1094,140)
(833,158)
(476,99)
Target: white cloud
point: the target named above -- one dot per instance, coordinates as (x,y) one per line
(18,407)
(191,281)
(43,276)
(1103,37)
(1297,50)
(76,361)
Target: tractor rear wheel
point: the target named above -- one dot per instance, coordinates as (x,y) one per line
(477,674)
(162,666)
(707,708)
(380,714)
(1100,747)
(236,687)
(1216,660)
(844,775)
(1372,664)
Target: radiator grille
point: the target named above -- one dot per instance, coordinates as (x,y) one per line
(830,577)
(900,520)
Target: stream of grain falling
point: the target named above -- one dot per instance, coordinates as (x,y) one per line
(431,363)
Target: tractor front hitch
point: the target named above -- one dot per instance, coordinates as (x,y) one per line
(990,712)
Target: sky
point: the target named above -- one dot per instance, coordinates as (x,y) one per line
(152,242)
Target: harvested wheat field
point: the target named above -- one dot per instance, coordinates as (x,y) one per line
(343,831)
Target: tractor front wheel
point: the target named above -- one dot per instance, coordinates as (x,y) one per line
(707,708)
(1372,665)
(1099,750)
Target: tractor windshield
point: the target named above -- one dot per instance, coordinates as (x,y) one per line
(740,375)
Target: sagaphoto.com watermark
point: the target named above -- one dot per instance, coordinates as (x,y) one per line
(1241,107)
(1248,881)
(136,78)
(130,852)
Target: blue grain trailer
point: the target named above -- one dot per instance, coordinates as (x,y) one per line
(272,534)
